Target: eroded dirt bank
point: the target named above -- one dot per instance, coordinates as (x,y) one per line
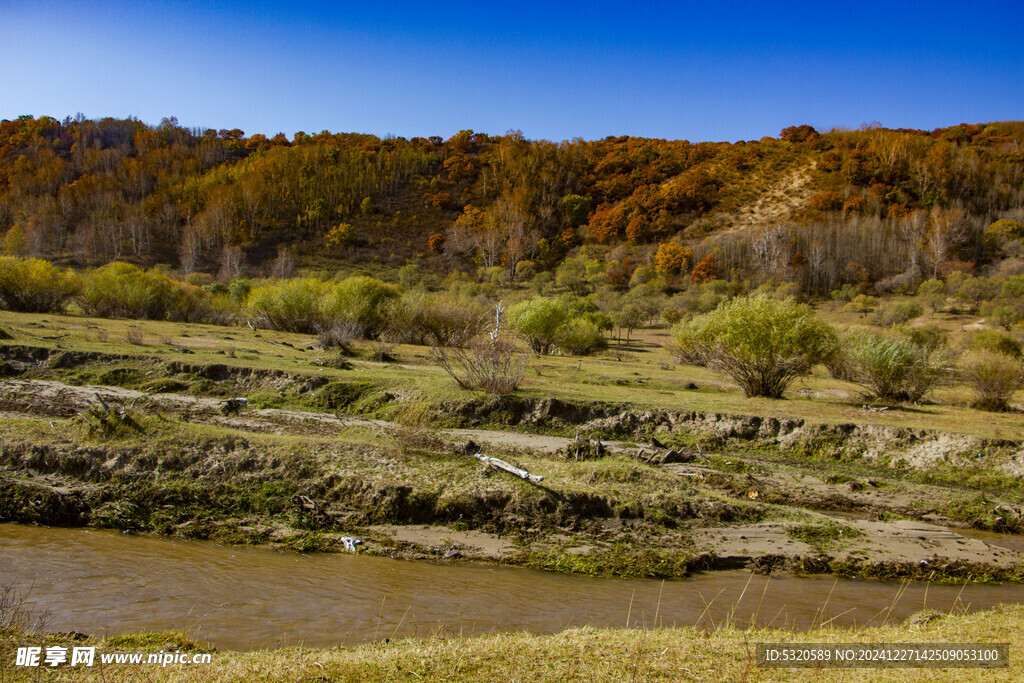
(737,491)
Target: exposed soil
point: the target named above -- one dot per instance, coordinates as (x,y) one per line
(810,517)
(441,539)
(901,541)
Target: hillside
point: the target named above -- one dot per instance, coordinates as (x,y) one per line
(817,209)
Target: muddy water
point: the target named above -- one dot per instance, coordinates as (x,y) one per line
(1011,541)
(105,583)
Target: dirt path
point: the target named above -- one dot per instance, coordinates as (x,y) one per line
(51,397)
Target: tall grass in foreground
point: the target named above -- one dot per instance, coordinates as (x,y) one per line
(724,652)
(16,614)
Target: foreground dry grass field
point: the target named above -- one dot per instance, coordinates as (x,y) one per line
(725,653)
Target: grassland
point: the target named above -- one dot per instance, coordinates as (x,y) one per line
(639,374)
(583,654)
(374,447)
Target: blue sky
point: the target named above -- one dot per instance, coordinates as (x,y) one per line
(555,70)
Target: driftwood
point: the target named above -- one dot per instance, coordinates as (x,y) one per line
(511,469)
(656,457)
(315,511)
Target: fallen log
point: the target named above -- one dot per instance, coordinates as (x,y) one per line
(512,469)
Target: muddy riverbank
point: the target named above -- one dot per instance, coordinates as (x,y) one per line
(156,449)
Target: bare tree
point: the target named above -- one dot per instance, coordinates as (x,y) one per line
(232,262)
(188,251)
(284,265)
(950,229)
(767,248)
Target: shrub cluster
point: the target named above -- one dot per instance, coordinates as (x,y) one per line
(121,290)
(993,377)
(762,343)
(896,313)
(309,306)
(892,368)
(567,324)
(35,286)
(441,319)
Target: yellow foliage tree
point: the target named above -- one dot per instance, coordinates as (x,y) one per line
(672,258)
(340,235)
(14,241)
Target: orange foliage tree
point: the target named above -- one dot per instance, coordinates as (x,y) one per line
(440,201)
(705,270)
(607,223)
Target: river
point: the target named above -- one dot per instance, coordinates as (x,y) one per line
(101,582)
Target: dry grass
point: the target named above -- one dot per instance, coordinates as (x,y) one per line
(641,374)
(581,654)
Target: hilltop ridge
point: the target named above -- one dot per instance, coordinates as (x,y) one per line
(865,204)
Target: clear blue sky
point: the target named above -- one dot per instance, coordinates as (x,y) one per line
(555,70)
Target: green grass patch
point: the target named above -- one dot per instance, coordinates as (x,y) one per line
(824,536)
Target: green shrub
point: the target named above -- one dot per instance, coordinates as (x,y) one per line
(703,298)
(1002,315)
(437,319)
(928,338)
(976,290)
(933,293)
(993,377)
(891,368)
(121,290)
(580,337)
(542,281)
(35,286)
(288,305)
(572,274)
(630,315)
(863,304)
(525,270)
(846,293)
(671,315)
(199,279)
(1013,287)
(896,313)
(197,305)
(642,275)
(409,275)
(538,321)
(239,289)
(308,305)
(363,299)
(990,340)
(761,343)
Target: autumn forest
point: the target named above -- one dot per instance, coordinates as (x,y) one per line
(818,209)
